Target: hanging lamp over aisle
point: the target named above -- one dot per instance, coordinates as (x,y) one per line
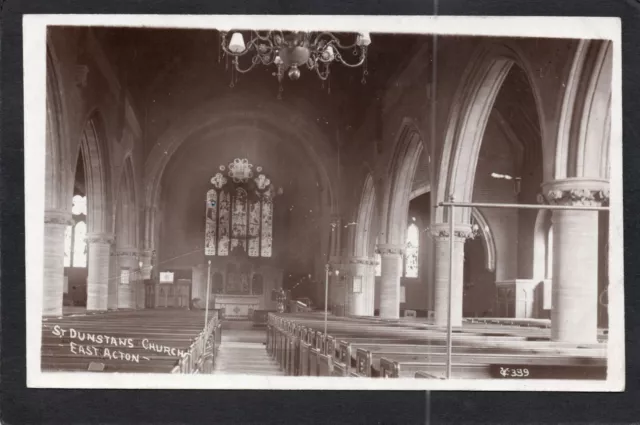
(289,52)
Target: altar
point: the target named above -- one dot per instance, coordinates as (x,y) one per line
(237,306)
(238,286)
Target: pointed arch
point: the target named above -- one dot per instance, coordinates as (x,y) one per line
(95,153)
(583,140)
(364,220)
(397,191)
(126,208)
(56,166)
(468,119)
(488,243)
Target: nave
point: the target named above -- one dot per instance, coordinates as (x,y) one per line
(298,345)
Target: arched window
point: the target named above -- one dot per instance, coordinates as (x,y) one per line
(411,251)
(75,245)
(239,212)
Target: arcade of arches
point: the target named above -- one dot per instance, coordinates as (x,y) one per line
(154,160)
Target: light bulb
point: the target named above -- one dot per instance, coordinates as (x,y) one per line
(236,45)
(328,54)
(364,39)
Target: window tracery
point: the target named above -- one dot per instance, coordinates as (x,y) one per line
(239,212)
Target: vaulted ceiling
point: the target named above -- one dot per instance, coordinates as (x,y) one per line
(176,68)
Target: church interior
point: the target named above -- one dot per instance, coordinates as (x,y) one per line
(266,202)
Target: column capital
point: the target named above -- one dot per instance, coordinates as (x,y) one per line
(364,261)
(460,231)
(105,238)
(390,249)
(575,191)
(58,217)
(126,252)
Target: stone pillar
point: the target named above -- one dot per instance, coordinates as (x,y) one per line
(441,278)
(574,311)
(114,280)
(127,259)
(199,282)
(146,257)
(55,224)
(369,288)
(361,269)
(99,245)
(391,258)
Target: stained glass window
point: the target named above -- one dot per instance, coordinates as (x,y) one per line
(254,229)
(223,224)
(239,212)
(239,217)
(267,222)
(211,209)
(411,251)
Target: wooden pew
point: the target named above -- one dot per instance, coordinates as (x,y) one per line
(396,368)
(178,331)
(314,353)
(369,362)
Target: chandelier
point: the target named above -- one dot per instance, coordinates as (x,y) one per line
(291,51)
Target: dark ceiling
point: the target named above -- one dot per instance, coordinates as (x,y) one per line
(147,58)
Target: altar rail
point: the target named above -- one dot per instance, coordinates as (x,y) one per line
(410,348)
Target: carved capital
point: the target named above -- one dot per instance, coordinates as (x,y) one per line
(103,238)
(126,252)
(62,218)
(461,232)
(364,261)
(388,249)
(576,192)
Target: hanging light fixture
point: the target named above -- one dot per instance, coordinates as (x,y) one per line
(291,51)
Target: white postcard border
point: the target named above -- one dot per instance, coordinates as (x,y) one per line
(34,44)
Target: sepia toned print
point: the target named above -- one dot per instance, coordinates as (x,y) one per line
(317,206)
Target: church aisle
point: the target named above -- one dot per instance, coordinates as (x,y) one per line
(243,351)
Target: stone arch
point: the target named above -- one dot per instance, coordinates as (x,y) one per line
(221,114)
(468,118)
(57,164)
(582,148)
(95,153)
(126,210)
(397,191)
(364,236)
(488,241)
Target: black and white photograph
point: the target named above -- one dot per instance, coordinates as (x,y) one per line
(323,202)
